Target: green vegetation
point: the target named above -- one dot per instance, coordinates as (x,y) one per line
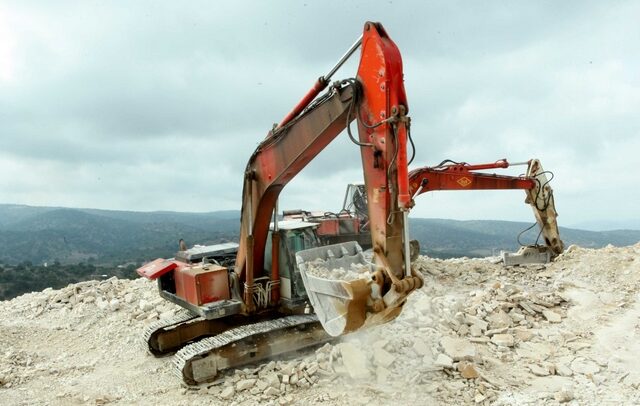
(71,236)
(84,244)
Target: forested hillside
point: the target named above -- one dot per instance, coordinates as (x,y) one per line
(47,246)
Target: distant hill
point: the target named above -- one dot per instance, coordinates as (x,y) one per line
(480,238)
(47,234)
(611,224)
(106,237)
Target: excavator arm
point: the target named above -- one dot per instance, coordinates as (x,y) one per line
(462,176)
(281,156)
(377,100)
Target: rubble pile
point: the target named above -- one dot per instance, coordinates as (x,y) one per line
(275,379)
(356,271)
(133,298)
(477,333)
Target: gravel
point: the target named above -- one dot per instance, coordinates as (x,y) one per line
(477,333)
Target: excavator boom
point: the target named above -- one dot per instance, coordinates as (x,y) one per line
(282,155)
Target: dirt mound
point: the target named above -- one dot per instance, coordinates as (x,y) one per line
(476,333)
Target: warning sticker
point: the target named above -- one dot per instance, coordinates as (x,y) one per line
(464,181)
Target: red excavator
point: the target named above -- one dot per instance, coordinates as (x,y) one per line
(282,288)
(351,223)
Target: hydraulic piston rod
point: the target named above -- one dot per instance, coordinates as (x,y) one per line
(319,86)
(344,58)
(407,247)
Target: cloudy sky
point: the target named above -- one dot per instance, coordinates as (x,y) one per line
(158,105)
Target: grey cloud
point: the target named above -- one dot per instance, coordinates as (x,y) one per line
(118,104)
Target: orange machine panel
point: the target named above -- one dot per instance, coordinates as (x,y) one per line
(157,268)
(329,227)
(338,226)
(202,284)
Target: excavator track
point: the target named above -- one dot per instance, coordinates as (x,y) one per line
(153,336)
(201,361)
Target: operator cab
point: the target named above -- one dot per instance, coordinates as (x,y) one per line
(295,235)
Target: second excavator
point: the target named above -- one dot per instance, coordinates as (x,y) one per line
(281,288)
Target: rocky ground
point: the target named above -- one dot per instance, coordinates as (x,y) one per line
(477,333)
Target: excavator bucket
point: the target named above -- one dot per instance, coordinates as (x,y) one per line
(338,282)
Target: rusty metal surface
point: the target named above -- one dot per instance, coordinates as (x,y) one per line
(275,162)
(462,176)
(380,109)
(202,361)
(543,204)
(425,180)
(202,284)
(155,269)
(381,76)
(341,306)
(159,346)
(168,336)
